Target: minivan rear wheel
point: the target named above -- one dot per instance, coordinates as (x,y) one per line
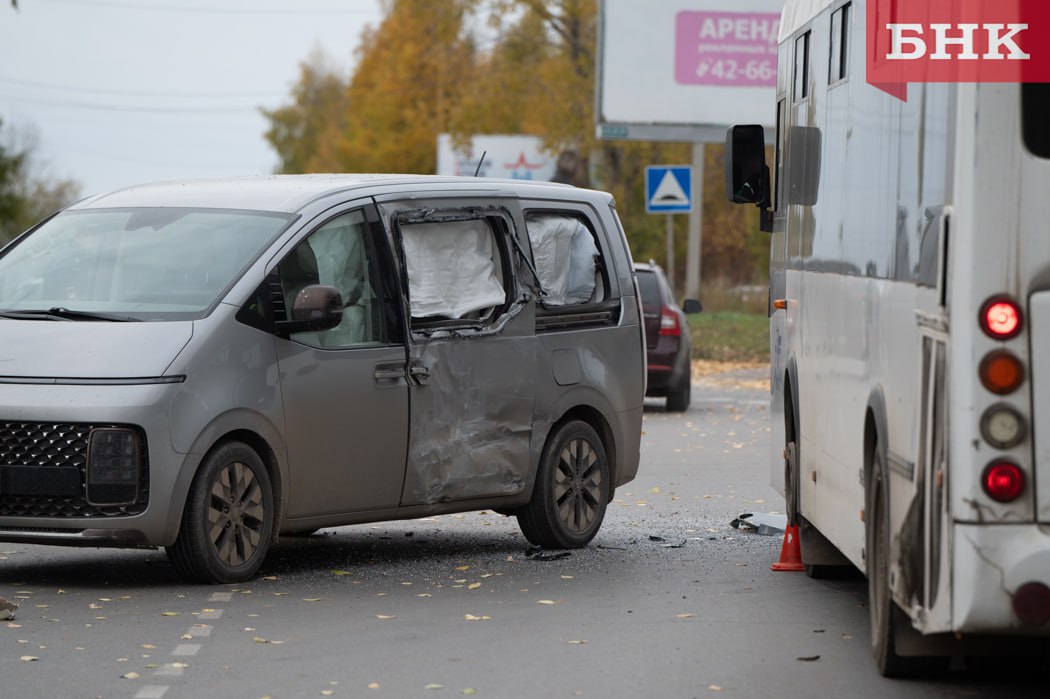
(228,519)
(571,492)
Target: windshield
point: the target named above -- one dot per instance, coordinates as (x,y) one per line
(146,264)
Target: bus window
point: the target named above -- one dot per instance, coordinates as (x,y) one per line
(1035,112)
(801,90)
(839,60)
(778,162)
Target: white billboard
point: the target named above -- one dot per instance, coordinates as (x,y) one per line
(511,157)
(686,64)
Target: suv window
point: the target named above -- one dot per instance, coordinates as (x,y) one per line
(649,288)
(567,258)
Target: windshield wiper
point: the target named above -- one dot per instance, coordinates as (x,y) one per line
(59,313)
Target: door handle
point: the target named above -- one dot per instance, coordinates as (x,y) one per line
(385,373)
(420,373)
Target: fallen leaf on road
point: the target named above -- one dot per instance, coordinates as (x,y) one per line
(435,686)
(471,617)
(169,613)
(462,567)
(385,616)
(470,691)
(578,643)
(327,692)
(312,599)
(473,586)
(131,676)
(29,658)
(684,616)
(374,685)
(809,658)
(545,601)
(714,687)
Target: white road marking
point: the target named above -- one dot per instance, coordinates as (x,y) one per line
(152,691)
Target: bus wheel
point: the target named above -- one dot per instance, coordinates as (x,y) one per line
(791,482)
(228,520)
(883,611)
(571,492)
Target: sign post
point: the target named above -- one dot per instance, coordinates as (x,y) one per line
(669,190)
(684,71)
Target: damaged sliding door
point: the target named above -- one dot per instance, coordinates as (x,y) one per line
(472,352)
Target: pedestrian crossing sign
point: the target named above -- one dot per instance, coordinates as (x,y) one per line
(668,189)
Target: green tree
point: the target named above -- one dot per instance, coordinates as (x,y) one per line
(12,166)
(27,195)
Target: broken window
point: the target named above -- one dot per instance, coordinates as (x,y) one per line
(566,258)
(454,267)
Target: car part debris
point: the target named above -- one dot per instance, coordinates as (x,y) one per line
(764,524)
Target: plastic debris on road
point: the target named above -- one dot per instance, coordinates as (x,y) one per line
(764,524)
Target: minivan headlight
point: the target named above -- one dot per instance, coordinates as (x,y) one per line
(113,466)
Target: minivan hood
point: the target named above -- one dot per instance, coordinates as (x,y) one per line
(89,349)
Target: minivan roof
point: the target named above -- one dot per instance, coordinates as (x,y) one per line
(290,193)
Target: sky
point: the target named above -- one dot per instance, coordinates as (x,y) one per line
(121,92)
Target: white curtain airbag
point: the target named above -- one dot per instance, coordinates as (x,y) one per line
(451,270)
(564,252)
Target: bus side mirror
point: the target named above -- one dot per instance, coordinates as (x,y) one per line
(747,175)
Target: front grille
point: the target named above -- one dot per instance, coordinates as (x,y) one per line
(60,446)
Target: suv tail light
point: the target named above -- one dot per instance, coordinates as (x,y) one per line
(669,322)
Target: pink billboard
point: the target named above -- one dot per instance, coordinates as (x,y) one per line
(737,49)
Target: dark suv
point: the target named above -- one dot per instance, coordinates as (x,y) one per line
(667,339)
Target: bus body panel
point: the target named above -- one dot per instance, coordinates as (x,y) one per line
(925,209)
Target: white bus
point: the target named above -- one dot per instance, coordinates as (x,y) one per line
(910,339)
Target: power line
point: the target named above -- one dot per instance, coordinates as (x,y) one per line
(140,93)
(130,108)
(215,10)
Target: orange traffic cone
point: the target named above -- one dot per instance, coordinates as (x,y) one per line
(790,552)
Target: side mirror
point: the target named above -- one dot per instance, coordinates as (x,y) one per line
(747,175)
(690,306)
(315,308)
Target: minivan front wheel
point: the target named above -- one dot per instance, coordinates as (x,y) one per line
(228,519)
(571,492)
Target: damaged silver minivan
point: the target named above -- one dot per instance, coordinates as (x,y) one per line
(205,365)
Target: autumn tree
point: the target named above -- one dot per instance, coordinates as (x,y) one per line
(299,131)
(411,72)
(433,67)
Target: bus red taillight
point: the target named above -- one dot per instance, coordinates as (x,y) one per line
(1001,372)
(1000,318)
(1031,603)
(1003,481)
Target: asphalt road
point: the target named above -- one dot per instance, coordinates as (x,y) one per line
(670,600)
